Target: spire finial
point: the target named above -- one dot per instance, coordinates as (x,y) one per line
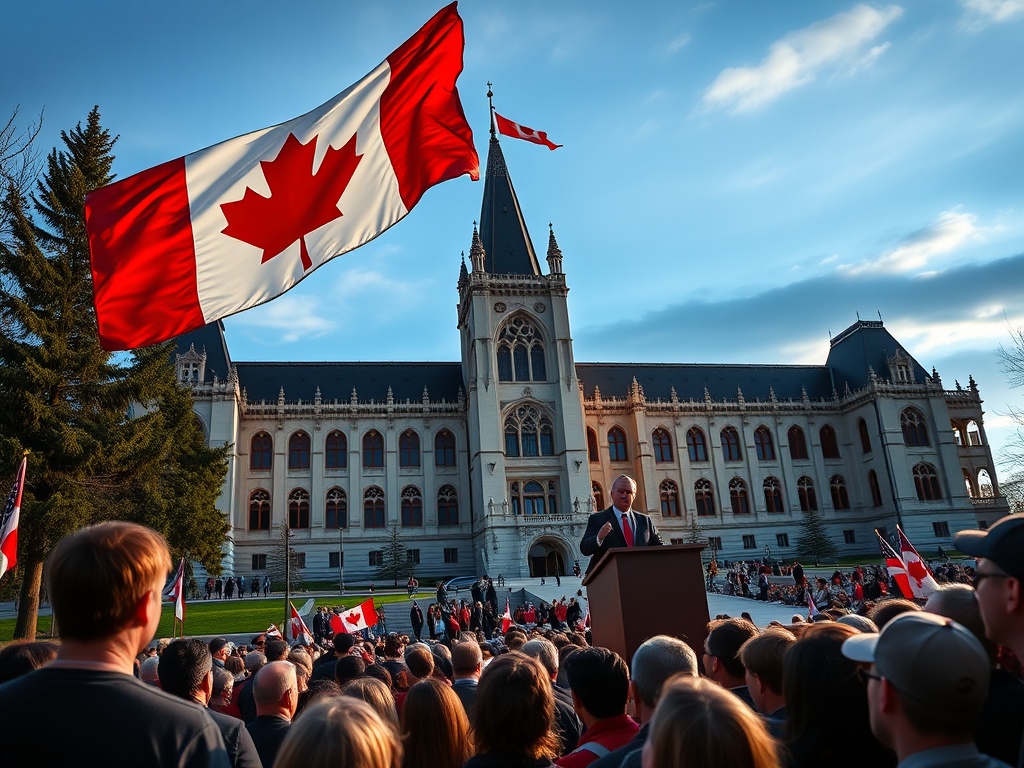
(490,109)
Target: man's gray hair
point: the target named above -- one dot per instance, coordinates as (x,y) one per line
(254,660)
(656,660)
(544,651)
(624,479)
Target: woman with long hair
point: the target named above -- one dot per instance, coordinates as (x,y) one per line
(435,729)
(698,724)
(340,732)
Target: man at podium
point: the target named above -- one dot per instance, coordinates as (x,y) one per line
(619,525)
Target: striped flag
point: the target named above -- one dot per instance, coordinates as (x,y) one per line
(299,630)
(176,591)
(506,617)
(9,522)
(895,566)
(919,575)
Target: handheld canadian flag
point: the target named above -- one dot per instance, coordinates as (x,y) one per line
(919,575)
(300,632)
(895,566)
(507,127)
(237,224)
(176,591)
(9,522)
(363,616)
(273,631)
(812,609)
(506,617)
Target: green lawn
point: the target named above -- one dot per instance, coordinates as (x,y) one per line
(225,617)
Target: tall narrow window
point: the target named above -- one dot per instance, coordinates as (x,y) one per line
(876,491)
(298,451)
(773,495)
(336,451)
(865,438)
(533,498)
(447,506)
(336,509)
(731,444)
(840,496)
(797,444)
(412,507)
(696,444)
(926,481)
(298,508)
(259,510)
(829,443)
(662,444)
(617,445)
(763,444)
(261,451)
(704,498)
(504,363)
(669,499)
(805,491)
(915,430)
(373,449)
(444,449)
(592,452)
(409,449)
(738,497)
(373,508)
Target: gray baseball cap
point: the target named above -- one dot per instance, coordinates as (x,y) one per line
(1003,544)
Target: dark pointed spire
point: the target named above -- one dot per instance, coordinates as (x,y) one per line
(506,241)
(463,272)
(554,253)
(477,254)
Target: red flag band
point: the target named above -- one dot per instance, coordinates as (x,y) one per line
(9,522)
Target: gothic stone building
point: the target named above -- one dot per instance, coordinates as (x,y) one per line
(492,463)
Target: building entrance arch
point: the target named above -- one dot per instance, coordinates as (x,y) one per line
(547,557)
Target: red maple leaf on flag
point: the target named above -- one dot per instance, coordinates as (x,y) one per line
(300,200)
(354,617)
(917,571)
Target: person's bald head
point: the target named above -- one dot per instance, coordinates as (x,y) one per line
(276,689)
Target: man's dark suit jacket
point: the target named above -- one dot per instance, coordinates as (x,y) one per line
(646,535)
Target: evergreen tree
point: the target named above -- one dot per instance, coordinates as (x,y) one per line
(813,540)
(281,553)
(109,436)
(394,563)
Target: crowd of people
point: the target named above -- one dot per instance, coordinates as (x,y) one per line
(932,685)
(228,587)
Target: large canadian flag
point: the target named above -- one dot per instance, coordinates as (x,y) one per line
(363,616)
(919,576)
(237,224)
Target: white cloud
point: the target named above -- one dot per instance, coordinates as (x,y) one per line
(799,56)
(948,232)
(678,43)
(289,318)
(361,284)
(983,330)
(985,12)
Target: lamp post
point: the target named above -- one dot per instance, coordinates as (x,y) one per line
(287,579)
(341,555)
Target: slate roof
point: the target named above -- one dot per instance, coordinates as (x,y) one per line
(865,343)
(507,246)
(263,381)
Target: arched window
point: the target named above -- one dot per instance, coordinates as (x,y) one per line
(373,449)
(412,507)
(876,491)
(840,496)
(521,352)
(409,449)
(731,444)
(797,444)
(617,445)
(805,490)
(592,453)
(595,489)
(533,498)
(773,495)
(926,481)
(662,445)
(763,444)
(447,506)
(298,451)
(298,508)
(669,499)
(336,509)
(259,510)
(336,451)
(704,497)
(373,508)
(696,444)
(261,451)
(444,449)
(915,431)
(865,438)
(829,443)
(528,432)
(738,497)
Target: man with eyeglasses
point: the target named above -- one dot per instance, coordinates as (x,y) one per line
(999,582)
(618,526)
(927,679)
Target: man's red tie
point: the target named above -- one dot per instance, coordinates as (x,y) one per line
(627,532)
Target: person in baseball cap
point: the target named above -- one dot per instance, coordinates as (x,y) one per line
(927,680)
(999,581)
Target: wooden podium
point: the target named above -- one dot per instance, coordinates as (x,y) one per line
(637,592)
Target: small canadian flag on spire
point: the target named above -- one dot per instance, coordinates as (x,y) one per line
(507,127)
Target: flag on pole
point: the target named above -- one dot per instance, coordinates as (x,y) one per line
(299,629)
(232,226)
(273,631)
(919,575)
(9,522)
(506,617)
(508,127)
(176,591)
(812,609)
(363,616)
(895,566)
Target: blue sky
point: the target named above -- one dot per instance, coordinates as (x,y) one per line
(739,179)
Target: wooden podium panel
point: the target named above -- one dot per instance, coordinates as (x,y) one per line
(637,592)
